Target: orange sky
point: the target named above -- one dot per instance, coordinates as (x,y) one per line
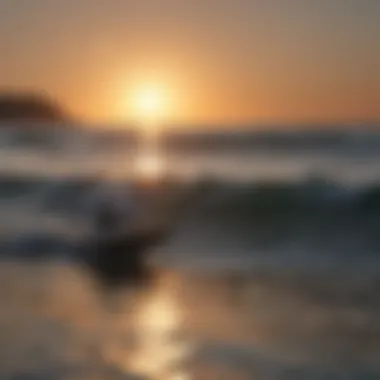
(220,61)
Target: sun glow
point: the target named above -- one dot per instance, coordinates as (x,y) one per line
(149,104)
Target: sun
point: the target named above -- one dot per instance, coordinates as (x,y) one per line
(149,103)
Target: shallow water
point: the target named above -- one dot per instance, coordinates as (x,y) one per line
(188,325)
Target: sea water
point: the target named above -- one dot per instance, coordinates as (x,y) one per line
(272,272)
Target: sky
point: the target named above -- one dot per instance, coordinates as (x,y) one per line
(216,61)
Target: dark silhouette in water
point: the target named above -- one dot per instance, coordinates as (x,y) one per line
(123,260)
(117,254)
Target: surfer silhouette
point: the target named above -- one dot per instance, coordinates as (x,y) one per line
(118,247)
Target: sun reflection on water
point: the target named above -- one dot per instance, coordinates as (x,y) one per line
(149,165)
(158,352)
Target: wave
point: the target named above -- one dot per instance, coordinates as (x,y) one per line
(237,199)
(311,222)
(53,138)
(314,215)
(36,247)
(54,194)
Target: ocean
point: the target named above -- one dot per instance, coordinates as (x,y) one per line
(272,270)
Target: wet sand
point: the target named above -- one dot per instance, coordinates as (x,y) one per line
(187,325)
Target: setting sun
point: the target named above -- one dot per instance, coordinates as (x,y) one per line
(149,103)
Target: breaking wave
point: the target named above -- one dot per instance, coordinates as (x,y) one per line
(314,213)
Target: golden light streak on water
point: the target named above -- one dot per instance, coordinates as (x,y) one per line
(156,323)
(149,165)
